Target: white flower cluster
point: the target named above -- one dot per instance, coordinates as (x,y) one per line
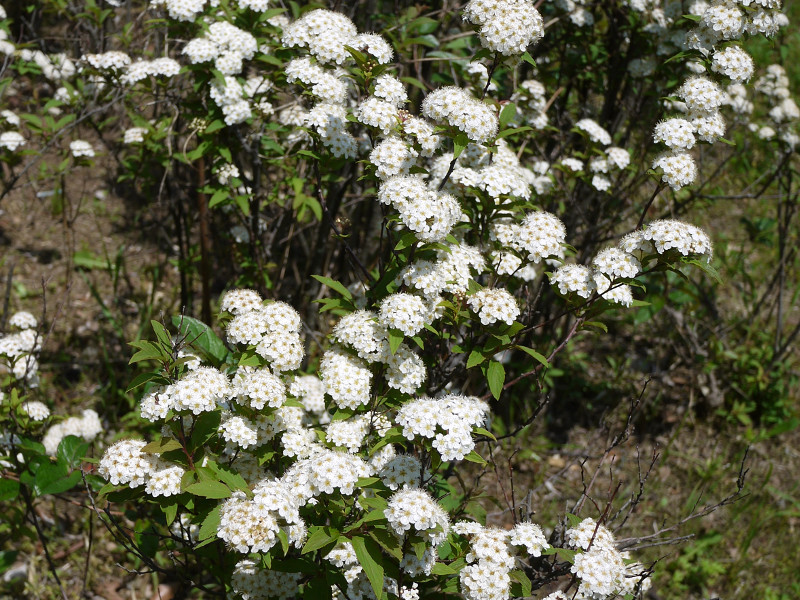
(124,463)
(462,111)
(367,334)
(430,214)
(734,63)
(81,148)
(142,69)
(225,44)
(322,84)
(36,410)
(346,378)
(251,582)
(541,235)
(113,60)
(601,568)
(19,350)
(450,273)
(666,234)
(784,112)
(253,525)
(595,131)
(506,26)
(448,421)
(405,312)
(11,140)
(392,157)
(274,330)
(415,509)
(721,21)
(402,471)
(87,426)
(499,173)
(531,100)
(493,305)
(134,135)
(492,556)
(181,10)
(326,33)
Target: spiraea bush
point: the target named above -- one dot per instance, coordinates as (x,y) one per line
(410,227)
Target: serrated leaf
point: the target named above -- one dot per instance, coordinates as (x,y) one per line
(208,529)
(496,377)
(369,557)
(209,489)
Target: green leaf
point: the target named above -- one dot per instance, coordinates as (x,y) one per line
(201,336)
(218,197)
(395,339)
(460,142)
(485,432)
(475,358)
(476,458)
(495,376)
(161,333)
(531,352)
(370,558)
(209,489)
(206,425)
(71,450)
(84,259)
(443,569)
(170,512)
(319,538)
(514,131)
(54,479)
(7,558)
(334,285)
(524,584)
(597,325)
(165,444)
(508,112)
(705,267)
(8,489)
(208,529)
(143,378)
(213,126)
(147,351)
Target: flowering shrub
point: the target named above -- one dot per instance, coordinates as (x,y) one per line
(311,454)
